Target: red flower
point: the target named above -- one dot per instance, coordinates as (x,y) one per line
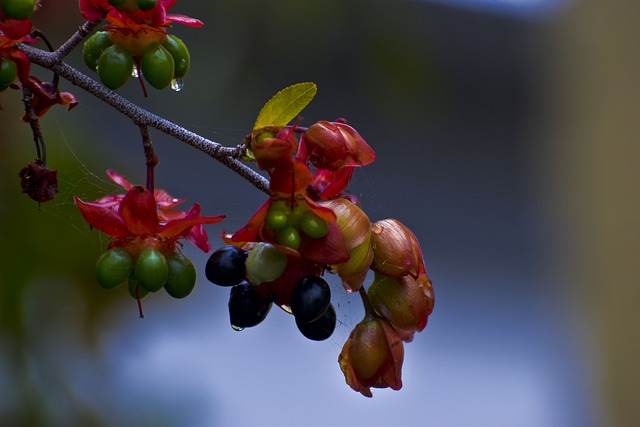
(139,219)
(372,357)
(96,10)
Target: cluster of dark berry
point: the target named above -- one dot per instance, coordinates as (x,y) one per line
(244,271)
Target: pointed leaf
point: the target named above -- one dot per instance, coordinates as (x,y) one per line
(285,105)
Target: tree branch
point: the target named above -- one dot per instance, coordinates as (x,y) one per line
(140,116)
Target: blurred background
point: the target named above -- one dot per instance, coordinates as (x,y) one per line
(507,140)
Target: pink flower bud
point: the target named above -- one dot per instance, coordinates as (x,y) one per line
(356,230)
(396,250)
(333,145)
(404,301)
(272,147)
(372,357)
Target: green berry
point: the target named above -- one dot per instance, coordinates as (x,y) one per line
(313,226)
(265,263)
(115,66)
(182,275)
(157,66)
(289,236)
(113,268)
(152,270)
(126,6)
(147,4)
(8,72)
(276,219)
(93,48)
(18,9)
(180,54)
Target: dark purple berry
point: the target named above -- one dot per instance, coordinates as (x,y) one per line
(310,298)
(321,329)
(247,308)
(225,266)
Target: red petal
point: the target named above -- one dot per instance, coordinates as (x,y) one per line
(102,218)
(180,227)
(249,233)
(185,20)
(330,249)
(322,211)
(139,211)
(119,179)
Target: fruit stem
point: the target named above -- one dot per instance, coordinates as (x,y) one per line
(369,311)
(139,301)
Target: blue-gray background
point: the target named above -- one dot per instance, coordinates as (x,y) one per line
(493,126)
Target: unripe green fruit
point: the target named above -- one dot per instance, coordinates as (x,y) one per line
(152,270)
(289,236)
(265,263)
(8,72)
(180,54)
(18,9)
(182,275)
(313,226)
(147,4)
(276,219)
(127,6)
(113,267)
(115,66)
(157,66)
(93,48)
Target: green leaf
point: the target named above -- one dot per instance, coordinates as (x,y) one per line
(285,105)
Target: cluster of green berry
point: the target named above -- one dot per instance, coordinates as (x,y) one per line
(149,272)
(244,271)
(288,221)
(161,64)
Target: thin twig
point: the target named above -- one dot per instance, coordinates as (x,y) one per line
(150,156)
(141,116)
(77,37)
(32,118)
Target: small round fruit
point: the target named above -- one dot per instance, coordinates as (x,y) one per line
(18,9)
(225,267)
(93,48)
(146,4)
(151,269)
(321,329)
(313,226)
(310,298)
(289,236)
(115,66)
(276,219)
(127,6)
(135,290)
(182,275)
(180,54)
(113,268)
(157,66)
(246,307)
(265,263)
(8,73)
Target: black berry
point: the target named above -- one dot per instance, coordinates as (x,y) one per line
(310,298)
(321,329)
(247,308)
(225,266)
